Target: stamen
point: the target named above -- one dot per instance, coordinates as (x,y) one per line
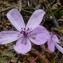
(24,28)
(21,32)
(25,34)
(27,29)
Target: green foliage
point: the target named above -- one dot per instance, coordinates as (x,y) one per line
(60,29)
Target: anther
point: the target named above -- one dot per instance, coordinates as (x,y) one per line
(21,32)
(27,29)
(24,28)
(21,28)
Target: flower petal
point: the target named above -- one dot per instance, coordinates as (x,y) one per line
(8,36)
(16,19)
(51,45)
(39,35)
(55,39)
(59,47)
(35,19)
(22,46)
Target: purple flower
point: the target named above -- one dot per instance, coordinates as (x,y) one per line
(32,32)
(53,42)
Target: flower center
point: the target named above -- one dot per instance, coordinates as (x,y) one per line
(24,33)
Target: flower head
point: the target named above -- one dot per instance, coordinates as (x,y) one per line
(25,34)
(53,42)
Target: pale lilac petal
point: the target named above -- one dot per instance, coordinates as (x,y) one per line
(59,47)
(55,39)
(39,35)
(51,45)
(8,36)
(16,19)
(22,46)
(35,19)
